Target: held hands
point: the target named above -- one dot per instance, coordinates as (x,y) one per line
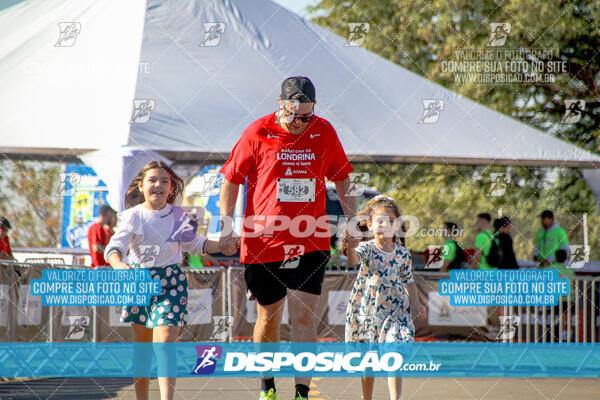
(353,241)
(229,244)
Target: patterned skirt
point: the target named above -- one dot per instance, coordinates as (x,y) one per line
(169,308)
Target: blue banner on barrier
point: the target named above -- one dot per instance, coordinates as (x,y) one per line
(504,287)
(99,287)
(299,359)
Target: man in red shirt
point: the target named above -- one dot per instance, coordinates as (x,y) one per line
(5,250)
(285,158)
(99,234)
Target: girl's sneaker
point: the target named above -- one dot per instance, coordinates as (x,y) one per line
(270,395)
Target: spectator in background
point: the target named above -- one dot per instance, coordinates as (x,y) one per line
(335,253)
(452,253)
(502,227)
(483,242)
(100,233)
(564,271)
(200,261)
(5,250)
(403,229)
(549,239)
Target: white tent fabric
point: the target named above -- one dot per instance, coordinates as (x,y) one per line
(61,95)
(79,98)
(206,95)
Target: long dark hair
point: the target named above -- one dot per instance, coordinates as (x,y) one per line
(366,214)
(134,195)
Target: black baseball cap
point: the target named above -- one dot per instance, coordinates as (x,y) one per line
(298,85)
(4,223)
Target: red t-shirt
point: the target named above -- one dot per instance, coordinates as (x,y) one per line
(5,246)
(286,178)
(97,234)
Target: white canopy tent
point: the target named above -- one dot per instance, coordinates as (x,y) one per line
(74,96)
(62,97)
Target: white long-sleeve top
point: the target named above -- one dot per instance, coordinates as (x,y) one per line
(155,238)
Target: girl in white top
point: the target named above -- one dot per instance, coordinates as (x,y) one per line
(155,233)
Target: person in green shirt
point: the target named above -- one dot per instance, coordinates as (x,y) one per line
(199,261)
(483,242)
(549,239)
(335,253)
(452,253)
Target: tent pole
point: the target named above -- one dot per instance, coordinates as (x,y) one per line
(585,230)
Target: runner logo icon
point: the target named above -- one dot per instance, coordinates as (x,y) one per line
(431,111)
(499,32)
(574,109)
(212,34)
(68,34)
(207,359)
(292,253)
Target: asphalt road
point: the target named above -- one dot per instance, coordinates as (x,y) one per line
(321,388)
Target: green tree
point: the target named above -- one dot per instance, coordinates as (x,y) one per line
(438,193)
(420,35)
(29,200)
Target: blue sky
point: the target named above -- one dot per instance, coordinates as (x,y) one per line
(296,6)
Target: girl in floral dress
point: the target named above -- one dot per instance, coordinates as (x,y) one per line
(380,307)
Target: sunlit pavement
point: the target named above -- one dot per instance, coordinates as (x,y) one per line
(321,388)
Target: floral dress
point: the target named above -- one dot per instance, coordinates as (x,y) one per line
(379,310)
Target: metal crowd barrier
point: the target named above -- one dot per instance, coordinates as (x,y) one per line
(575,319)
(17,324)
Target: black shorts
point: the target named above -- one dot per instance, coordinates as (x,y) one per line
(268,282)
